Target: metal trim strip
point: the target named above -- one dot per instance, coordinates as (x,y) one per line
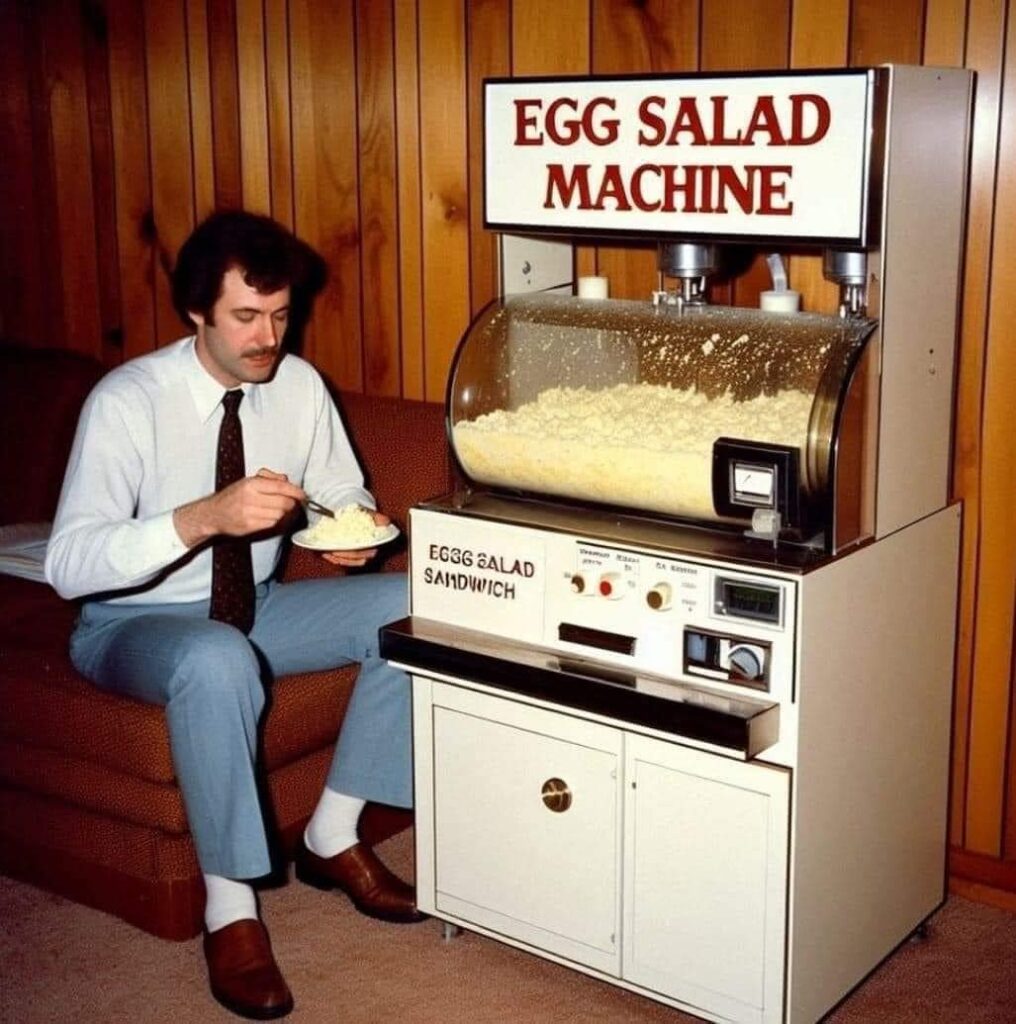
(521,668)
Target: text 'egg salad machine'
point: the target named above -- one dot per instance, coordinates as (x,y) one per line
(682,643)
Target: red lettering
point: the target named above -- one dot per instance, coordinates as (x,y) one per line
(764,119)
(565,187)
(523,122)
(673,186)
(823,118)
(608,124)
(706,199)
(669,188)
(612,187)
(719,119)
(566,132)
(769,188)
(730,184)
(651,120)
(637,195)
(687,120)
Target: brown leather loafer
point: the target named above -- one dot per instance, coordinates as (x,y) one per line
(373,889)
(243,974)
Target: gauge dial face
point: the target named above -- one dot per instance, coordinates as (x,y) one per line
(754,483)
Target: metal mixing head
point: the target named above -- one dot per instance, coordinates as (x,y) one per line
(691,263)
(849,269)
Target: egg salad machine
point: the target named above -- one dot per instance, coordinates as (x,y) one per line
(682,642)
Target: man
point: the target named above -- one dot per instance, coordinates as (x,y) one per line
(188,467)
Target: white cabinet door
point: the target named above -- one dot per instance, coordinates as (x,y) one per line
(705,879)
(504,859)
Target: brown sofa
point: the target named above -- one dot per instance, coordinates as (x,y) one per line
(89,807)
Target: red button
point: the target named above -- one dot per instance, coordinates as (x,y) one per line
(605,588)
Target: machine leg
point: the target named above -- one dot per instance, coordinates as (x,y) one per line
(921,933)
(449,931)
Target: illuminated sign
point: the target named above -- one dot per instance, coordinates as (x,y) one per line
(731,157)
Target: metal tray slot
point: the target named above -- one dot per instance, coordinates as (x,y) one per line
(743,725)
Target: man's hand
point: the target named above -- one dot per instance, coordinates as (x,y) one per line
(252,505)
(354,559)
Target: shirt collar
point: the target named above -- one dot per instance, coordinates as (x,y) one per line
(205,390)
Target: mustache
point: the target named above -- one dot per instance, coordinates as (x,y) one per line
(254,353)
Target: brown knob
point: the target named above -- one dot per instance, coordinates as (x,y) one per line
(556,795)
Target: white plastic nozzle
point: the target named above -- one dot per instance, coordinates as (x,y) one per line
(778,272)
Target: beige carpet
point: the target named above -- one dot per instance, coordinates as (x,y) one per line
(61,962)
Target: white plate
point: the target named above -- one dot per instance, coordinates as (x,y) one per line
(301,541)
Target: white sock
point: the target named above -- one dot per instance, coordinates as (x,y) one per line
(332,826)
(227,901)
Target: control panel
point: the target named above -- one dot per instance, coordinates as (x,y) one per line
(630,610)
(673,616)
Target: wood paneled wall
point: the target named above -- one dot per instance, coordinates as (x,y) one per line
(357,123)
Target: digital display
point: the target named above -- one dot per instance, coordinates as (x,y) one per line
(748,600)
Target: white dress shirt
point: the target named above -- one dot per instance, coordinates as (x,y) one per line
(146,443)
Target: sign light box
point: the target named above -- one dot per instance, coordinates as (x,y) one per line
(737,157)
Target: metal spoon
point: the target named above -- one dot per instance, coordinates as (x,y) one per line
(314,506)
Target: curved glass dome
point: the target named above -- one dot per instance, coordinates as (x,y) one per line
(621,403)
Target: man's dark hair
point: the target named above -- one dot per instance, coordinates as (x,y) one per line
(268,255)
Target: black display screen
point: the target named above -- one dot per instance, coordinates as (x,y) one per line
(749,600)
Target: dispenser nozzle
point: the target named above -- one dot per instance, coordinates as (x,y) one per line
(849,269)
(691,263)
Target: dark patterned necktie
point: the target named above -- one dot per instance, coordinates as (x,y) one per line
(232,574)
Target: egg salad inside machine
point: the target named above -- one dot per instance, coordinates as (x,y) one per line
(698,413)
(681,641)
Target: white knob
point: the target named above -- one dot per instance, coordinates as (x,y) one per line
(746,662)
(658,598)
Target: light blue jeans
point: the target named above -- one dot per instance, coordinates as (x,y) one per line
(211,680)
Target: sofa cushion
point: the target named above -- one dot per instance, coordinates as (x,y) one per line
(125,796)
(67,714)
(129,798)
(58,827)
(79,838)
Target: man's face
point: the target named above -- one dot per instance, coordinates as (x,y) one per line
(242,340)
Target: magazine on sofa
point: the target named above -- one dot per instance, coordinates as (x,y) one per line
(23,549)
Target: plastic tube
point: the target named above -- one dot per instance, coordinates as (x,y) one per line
(780,299)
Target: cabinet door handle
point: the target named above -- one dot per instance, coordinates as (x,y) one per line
(556,795)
